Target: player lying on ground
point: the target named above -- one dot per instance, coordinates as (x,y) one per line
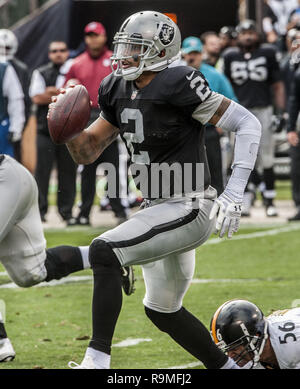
(22,243)
(242,331)
(159,112)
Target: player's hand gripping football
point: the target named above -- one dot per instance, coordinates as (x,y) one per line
(68,114)
(62,91)
(228,215)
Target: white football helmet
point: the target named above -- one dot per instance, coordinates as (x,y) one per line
(149,37)
(8,45)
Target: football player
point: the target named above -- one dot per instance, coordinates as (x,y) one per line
(8,49)
(159,112)
(242,331)
(253,70)
(22,243)
(228,36)
(12,108)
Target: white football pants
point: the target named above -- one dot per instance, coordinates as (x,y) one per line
(162,237)
(22,241)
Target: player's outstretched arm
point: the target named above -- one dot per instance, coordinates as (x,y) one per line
(91,142)
(231,116)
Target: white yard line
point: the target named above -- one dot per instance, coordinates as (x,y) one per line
(66,280)
(253,235)
(75,279)
(131,342)
(187,366)
(230,280)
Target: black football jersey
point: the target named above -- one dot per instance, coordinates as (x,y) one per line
(156,124)
(252,74)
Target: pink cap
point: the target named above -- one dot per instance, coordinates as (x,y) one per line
(96,28)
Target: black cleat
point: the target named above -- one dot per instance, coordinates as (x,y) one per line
(128,280)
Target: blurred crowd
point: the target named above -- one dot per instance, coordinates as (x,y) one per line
(255,64)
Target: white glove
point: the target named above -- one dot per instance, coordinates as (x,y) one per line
(228,215)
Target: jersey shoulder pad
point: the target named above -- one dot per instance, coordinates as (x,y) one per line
(268,48)
(278,313)
(177,75)
(230,52)
(108,83)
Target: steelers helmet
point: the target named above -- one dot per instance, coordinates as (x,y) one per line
(147,37)
(8,45)
(240,323)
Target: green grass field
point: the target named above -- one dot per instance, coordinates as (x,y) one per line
(50,326)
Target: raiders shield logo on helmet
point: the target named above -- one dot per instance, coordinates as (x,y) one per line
(166,34)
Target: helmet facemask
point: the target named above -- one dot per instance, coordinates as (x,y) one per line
(138,49)
(253,345)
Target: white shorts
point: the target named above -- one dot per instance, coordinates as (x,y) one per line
(22,241)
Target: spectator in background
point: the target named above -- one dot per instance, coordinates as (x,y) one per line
(294,128)
(45,83)
(287,65)
(211,47)
(89,69)
(276,15)
(294,18)
(253,70)
(192,51)
(228,37)
(8,49)
(12,109)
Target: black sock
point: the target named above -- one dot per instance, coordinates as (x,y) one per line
(62,261)
(191,334)
(3,333)
(107,303)
(269,178)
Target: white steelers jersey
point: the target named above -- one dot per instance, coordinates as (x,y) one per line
(284,330)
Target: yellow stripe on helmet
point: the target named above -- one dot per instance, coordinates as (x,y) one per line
(214,321)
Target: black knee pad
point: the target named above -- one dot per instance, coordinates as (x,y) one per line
(102,256)
(163,321)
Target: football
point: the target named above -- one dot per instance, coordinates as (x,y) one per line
(69,115)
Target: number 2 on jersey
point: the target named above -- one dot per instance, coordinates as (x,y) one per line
(135,137)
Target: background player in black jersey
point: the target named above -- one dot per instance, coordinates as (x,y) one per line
(254,72)
(159,112)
